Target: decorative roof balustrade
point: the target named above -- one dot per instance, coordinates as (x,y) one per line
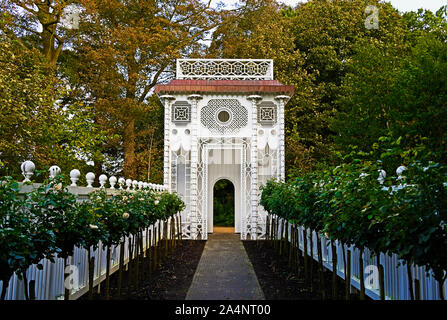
(225,69)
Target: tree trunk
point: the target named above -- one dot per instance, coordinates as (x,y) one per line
(109,249)
(306,258)
(311,261)
(120,270)
(381,281)
(441,287)
(4,287)
(410,281)
(320,263)
(281,240)
(129,149)
(66,291)
(150,157)
(32,290)
(298,252)
(362,277)
(334,271)
(267,227)
(25,283)
(348,275)
(130,266)
(91,270)
(291,245)
(149,254)
(417,290)
(166,235)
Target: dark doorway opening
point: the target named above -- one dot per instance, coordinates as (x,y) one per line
(223,203)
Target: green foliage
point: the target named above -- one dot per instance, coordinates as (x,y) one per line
(424,21)
(13,229)
(167,204)
(223,204)
(53,209)
(396,93)
(35,124)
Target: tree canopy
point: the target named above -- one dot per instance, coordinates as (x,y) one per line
(355,87)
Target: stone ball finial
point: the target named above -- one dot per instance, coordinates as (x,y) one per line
(121,182)
(382,176)
(399,172)
(74,177)
(54,171)
(90,177)
(112,181)
(28,168)
(102,181)
(128,184)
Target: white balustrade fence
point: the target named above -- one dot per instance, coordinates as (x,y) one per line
(49,282)
(395,270)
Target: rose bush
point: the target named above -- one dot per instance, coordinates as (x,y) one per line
(49,222)
(405,216)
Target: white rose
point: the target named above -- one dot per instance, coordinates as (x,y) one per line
(58,187)
(94,227)
(125,215)
(156,202)
(125,198)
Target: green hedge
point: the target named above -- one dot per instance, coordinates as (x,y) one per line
(347,203)
(50,221)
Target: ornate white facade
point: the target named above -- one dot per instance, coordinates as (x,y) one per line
(216,128)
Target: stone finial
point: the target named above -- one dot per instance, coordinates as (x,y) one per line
(90,177)
(74,177)
(399,172)
(112,181)
(102,181)
(122,183)
(27,168)
(54,171)
(145,185)
(140,185)
(382,176)
(135,184)
(128,184)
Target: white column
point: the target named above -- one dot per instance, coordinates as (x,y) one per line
(167,170)
(282,100)
(254,197)
(194,98)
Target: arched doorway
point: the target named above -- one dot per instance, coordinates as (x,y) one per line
(224,205)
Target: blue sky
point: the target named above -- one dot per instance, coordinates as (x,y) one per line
(401,5)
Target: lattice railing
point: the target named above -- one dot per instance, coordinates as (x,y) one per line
(225,69)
